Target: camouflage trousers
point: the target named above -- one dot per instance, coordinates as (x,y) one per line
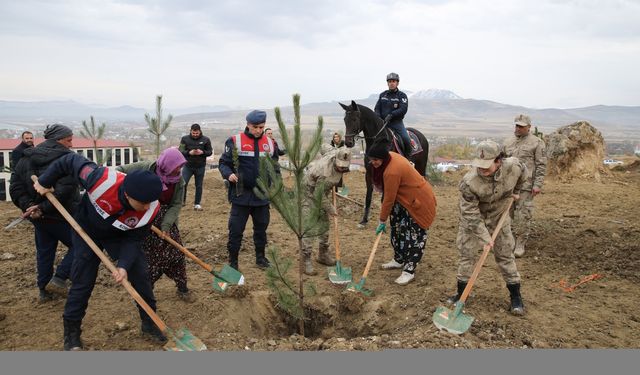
(469,244)
(522,216)
(308,242)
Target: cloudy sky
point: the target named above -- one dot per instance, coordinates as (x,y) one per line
(540,53)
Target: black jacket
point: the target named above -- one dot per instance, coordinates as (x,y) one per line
(188,143)
(17,153)
(34,162)
(394,103)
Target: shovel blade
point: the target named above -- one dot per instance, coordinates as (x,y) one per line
(226,277)
(359,288)
(452,321)
(339,274)
(183,340)
(344,191)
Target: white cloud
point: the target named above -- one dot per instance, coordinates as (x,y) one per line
(257,53)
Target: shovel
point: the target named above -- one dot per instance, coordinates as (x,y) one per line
(337,274)
(344,191)
(359,286)
(456,321)
(183,340)
(221,280)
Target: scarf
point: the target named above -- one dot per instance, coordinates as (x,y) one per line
(378,175)
(169,160)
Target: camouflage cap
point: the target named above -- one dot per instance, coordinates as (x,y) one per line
(522,120)
(343,157)
(486,153)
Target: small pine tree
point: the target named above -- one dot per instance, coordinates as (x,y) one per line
(95,134)
(157,126)
(301,212)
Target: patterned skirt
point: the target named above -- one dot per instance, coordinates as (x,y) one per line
(164,258)
(407,238)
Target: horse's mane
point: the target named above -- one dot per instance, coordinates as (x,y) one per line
(369,114)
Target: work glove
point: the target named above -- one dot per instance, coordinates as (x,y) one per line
(382,227)
(388,118)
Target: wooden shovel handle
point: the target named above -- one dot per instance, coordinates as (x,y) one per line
(181,248)
(127,285)
(372,255)
(335,224)
(485,253)
(351,200)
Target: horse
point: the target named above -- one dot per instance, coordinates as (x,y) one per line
(359,118)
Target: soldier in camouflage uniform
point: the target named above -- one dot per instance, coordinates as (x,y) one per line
(530,150)
(327,172)
(484,195)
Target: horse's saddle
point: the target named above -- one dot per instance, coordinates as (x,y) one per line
(415,147)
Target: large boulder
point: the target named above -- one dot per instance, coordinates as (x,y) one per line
(576,151)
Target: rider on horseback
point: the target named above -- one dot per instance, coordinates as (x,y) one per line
(392,105)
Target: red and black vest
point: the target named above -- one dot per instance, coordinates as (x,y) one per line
(104,197)
(245,145)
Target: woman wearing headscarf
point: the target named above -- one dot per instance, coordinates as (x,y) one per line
(164,258)
(337,142)
(409,200)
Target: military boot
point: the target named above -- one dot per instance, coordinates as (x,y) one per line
(72,331)
(152,332)
(308,266)
(455,298)
(324,257)
(261,261)
(517,306)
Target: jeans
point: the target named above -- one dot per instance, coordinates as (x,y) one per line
(198,172)
(401,131)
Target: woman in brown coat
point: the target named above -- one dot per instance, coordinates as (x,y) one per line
(409,200)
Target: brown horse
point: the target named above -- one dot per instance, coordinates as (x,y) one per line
(360,119)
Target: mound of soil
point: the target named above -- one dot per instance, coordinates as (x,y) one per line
(580,229)
(575,151)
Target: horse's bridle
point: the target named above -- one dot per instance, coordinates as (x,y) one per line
(357,135)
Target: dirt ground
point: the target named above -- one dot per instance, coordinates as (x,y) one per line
(581,228)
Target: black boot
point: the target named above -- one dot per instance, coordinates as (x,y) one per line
(517,306)
(453,299)
(233,260)
(72,331)
(152,332)
(261,260)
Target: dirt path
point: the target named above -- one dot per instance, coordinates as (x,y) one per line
(581,229)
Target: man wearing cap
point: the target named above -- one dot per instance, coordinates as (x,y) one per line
(26,142)
(392,106)
(485,192)
(530,150)
(116,212)
(325,172)
(196,148)
(49,226)
(240,165)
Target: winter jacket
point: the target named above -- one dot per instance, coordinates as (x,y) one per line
(34,162)
(188,143)
(394,103)
(530,150)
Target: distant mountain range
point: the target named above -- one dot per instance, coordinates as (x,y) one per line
(438,111)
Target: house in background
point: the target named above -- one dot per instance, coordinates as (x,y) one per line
(112,154)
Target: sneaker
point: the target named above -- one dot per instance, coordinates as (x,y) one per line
(405,278)
(519,250)
(393,265)
(262,262)
(57,285)
(197,207)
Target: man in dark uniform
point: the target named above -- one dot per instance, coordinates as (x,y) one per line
(16,154)
(116,212)
(392,105)
(196,148)
(49,226)
(240,165)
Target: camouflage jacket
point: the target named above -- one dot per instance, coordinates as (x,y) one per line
(322,172)
(532,152)
(483,199)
